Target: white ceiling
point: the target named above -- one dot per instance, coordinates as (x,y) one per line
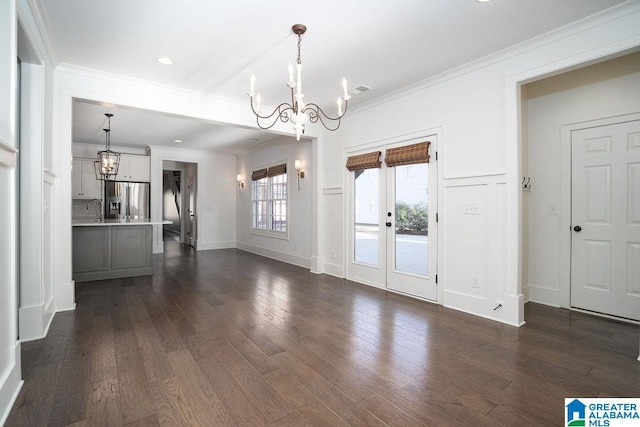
(217,45)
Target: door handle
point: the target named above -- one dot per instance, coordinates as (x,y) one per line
(388,223)
(577,228)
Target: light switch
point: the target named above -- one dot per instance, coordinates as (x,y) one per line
(471,208)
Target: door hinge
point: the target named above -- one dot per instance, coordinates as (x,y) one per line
(436,216)
(436,155)
(436,279)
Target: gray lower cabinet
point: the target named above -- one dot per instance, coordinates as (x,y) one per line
(110,252)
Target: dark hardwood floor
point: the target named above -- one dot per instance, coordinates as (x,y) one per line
(227,337)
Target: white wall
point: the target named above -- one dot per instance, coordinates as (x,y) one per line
(9,348)
(604,90)
(215,187)
(477,109)
(297,247)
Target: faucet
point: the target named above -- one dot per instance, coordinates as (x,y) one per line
(90,202)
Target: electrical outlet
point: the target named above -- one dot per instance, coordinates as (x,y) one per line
(553,209)
(295,246)
(475,281)
(333,254)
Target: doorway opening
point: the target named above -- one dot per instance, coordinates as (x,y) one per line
(179,199)
(572,154)
(392,217)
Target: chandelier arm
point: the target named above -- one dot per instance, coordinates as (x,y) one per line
(316,113)
(280,109)
(279,113)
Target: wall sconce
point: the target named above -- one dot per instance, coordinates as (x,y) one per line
(240,183)
(298,166)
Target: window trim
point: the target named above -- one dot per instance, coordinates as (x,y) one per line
(276,234)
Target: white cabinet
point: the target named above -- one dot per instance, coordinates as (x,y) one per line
(134,168)
(84,184)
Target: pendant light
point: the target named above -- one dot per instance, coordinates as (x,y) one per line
(108,161)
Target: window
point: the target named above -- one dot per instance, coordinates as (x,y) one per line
(269,199)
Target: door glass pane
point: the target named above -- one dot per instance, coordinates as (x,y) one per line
(367,216)
(411,232)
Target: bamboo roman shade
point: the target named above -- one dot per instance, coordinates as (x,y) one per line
(259,174)
(408,155)
(364,161)
(272,171)
(277,170)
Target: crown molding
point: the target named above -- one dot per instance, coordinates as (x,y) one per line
(30,16)
(626,9)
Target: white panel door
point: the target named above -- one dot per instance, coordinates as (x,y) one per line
(605,260)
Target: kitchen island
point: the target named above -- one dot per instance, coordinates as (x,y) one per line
(112,248)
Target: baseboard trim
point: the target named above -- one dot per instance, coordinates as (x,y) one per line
(10,387)
(208,246)
(506,310)
(65,296)
(365,282)
(316,265)
(336,270)
(280,256)
(31,322)
(542,295)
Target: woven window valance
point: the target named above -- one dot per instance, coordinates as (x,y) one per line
(364,161)
(259,174)
(408,155)
(277,170)
(272,171)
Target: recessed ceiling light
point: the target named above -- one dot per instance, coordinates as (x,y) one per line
(164,60)
(177,140)
(483,1)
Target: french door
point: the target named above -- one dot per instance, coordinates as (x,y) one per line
(393,229)
(410,227)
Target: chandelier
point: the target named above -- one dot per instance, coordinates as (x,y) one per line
(297,112)
(108,161)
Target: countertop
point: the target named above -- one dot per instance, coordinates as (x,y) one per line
(116,222)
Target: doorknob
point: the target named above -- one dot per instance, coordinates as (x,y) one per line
(577,228)
(388,223)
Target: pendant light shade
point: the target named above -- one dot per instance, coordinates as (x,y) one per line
(106,166)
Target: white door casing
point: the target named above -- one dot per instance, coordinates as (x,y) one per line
(605,219)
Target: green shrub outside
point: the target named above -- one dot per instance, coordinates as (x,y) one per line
(412,219)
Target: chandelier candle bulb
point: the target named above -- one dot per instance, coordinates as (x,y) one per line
(299,82)
(344,87)
(291,82)
(339,106)
(252,86)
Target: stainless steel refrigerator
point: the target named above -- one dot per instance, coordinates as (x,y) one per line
(126,200)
